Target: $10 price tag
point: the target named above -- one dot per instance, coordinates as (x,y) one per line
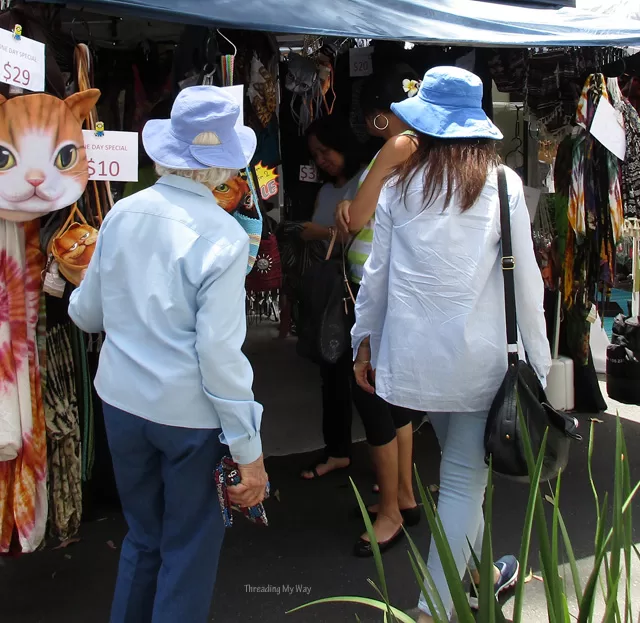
(21,62)
(112,156)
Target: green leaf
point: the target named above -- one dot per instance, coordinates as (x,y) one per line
(575,574)
(588,597)
(456,589)
(431,595)
(525,544)
(487,598)
(364,601)
(375,548)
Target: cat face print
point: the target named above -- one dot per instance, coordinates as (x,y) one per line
(43,165)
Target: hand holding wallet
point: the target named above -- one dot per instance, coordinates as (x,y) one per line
(227,474)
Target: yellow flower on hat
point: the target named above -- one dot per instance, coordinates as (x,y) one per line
(411,87)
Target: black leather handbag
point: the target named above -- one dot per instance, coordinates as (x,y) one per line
(329,304)
(522,390)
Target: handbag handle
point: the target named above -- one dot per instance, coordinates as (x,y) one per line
(344,262)
(508,263)
(70,219)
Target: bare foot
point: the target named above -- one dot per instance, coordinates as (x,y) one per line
(325,468)
(385,528)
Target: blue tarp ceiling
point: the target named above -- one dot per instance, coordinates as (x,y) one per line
(435,21)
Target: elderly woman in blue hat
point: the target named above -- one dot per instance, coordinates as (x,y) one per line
(166,285)
(430,330)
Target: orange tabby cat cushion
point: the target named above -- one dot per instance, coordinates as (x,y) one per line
(43,164)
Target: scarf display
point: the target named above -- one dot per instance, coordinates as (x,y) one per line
(631,166)
(23,453)
(63,435)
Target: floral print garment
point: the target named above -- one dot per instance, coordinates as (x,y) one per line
(23,453)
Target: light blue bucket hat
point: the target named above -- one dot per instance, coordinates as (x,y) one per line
(209,114)
(448,105)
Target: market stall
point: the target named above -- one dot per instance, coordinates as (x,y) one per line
(140,54)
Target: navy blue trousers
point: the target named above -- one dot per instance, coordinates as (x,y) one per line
(169,557)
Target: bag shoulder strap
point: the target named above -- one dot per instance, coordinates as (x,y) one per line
(508,262)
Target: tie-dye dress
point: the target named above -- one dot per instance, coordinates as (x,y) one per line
(23,455)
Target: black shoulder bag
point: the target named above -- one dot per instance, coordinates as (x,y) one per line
(329,309)
(522,390)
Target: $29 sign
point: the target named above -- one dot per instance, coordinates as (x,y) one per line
(14,74)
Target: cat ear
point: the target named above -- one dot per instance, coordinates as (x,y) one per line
(82,103)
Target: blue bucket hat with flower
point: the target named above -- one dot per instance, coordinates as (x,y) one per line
(203,132)
(448,105)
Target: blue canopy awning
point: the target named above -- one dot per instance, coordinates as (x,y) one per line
(463,22)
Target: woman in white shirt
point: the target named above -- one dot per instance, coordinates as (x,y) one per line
(430,329)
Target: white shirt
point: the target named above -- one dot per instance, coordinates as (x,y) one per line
(166,284)
(432,299)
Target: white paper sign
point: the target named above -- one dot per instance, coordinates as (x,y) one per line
(237,92)
(21,62)
(112,156)
(309,173)
(608,128)
(532,197)
(360,62)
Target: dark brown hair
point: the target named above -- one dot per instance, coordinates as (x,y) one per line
(461,164)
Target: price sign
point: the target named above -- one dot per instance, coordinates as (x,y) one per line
(21,62)
(360,62)
(309,173)
(112,156)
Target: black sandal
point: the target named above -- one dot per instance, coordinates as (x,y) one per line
(363,548)
(314,470)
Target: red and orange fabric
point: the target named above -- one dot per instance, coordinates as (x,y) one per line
(23,451)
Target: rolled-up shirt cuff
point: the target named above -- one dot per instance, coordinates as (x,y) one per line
(246,451)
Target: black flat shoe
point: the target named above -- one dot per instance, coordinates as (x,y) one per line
(363,548)
(410,516)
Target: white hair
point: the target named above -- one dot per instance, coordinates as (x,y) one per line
(209,177)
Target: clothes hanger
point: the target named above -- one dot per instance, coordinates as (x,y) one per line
(517,150)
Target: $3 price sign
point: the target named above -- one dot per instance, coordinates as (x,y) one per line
(103,169)
(13,74)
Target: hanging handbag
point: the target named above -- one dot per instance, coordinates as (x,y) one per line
(522,391)
(328,306)
(73,246)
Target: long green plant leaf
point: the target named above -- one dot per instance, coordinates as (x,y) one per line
(553,585)
(456,589)
(430,592)
(573,563)
(400,616)
(487,598)
(525,544)
(375,548)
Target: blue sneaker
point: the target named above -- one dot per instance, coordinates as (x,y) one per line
(509,568)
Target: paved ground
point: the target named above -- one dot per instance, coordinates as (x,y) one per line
(308,545)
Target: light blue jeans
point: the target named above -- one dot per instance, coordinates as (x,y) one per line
(463,481)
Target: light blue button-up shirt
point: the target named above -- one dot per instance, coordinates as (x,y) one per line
(166,284)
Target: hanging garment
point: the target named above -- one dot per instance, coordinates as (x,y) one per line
(23,454)
(63,434)
(631,166)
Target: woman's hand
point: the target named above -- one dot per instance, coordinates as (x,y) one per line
(342,216)
(364,373)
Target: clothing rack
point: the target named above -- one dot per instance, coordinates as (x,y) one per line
(629,65)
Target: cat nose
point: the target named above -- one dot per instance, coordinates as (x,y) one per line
(35,178)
